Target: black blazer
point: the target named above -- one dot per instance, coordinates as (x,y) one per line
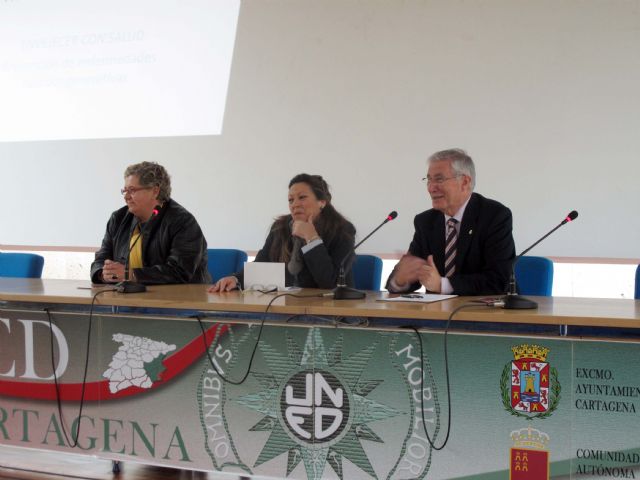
(321,263)
(485,248)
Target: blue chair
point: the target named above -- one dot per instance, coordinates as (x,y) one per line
(367,272)
(23,265)
(637,295)
(225,261)
(534,276)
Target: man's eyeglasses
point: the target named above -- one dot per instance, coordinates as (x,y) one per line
(438,180)
(133,190)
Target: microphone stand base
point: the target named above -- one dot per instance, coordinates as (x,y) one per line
(346,293)
(518,302)
(131,287)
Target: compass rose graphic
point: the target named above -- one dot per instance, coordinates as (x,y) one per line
(314,402)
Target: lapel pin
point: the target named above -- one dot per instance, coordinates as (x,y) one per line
(470,231)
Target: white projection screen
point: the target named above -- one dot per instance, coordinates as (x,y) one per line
(542,94)
(74,69)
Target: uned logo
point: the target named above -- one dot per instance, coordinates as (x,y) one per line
(11,329)
(314,406)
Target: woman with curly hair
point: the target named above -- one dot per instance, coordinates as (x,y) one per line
(152,239)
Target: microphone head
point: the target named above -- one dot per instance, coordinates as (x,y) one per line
(394,214)
(572,216)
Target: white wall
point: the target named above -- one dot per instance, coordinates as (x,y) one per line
(543,94)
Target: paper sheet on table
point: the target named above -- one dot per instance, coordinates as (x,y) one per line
(264,276)
(416,297)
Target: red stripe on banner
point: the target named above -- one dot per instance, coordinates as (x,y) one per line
(94,391)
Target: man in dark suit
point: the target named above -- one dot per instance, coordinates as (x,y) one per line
(463,245)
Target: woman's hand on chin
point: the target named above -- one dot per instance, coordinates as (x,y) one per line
(305,230)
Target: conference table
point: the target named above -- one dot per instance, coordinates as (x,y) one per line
(307,387)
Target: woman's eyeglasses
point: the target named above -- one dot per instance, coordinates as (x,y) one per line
(260,288)
(133,190)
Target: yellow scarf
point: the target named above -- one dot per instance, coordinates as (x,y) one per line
(135,257)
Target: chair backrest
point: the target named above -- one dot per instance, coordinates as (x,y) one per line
(23,265)
(367,272)
(225,261)
(637,295)
(534,276)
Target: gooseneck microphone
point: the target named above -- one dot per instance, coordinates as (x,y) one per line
(342,292)
(128,286)
(514,301)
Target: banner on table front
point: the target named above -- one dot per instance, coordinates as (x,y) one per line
(318,402)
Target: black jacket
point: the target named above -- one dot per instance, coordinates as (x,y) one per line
(173,247)
(485,248)
(321,263)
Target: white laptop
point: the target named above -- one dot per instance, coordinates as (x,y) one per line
(264,276)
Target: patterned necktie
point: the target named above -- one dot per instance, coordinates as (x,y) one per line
(450,248)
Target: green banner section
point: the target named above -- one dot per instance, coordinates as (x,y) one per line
(314,402)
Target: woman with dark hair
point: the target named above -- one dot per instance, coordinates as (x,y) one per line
(313,240)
